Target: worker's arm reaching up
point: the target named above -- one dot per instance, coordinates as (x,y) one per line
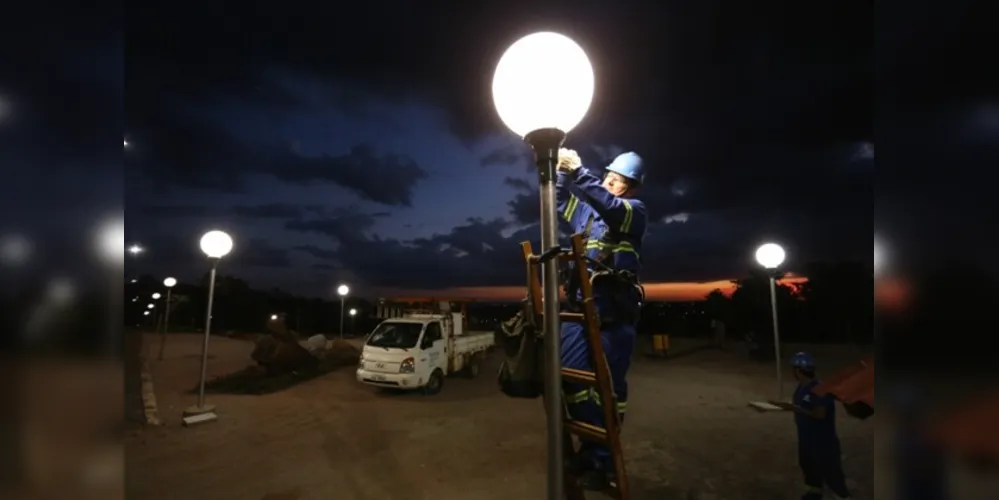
(567,203)
(624,215)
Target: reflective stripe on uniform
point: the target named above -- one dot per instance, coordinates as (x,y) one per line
(592,394)
(623,246)
(578,397)
(570,208)
(626,225)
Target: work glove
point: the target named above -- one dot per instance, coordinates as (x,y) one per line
(568,160)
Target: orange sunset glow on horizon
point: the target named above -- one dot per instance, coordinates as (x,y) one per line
(654,292)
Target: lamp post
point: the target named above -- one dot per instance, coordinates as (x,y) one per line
(215,245)
(169,283)
(770,256)
(542,88)
(353,314)
(342,291)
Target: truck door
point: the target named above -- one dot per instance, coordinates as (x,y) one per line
(434,348)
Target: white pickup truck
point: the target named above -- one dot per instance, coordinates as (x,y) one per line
(418,350)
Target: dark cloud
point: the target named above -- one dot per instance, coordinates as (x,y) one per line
(173,255)
(519,184)
(265,211)
(387,179)
(525,207)
(181,149)
(469,255)
(344,225)
(503,157)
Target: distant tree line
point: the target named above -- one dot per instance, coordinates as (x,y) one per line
(835,304)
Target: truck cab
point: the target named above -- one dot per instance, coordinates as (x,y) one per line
(417,351)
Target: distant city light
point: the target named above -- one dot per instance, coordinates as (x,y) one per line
(136,249)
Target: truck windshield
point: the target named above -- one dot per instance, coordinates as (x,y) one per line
(396,335)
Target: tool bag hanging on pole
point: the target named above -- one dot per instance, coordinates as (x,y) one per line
(521,344)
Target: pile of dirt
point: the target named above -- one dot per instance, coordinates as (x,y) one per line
(259,379)
(339,353)
(278,356)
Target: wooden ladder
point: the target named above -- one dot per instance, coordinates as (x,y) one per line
(600,379)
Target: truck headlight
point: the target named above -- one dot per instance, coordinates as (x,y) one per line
(408,365)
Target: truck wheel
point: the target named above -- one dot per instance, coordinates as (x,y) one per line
(473,367)
(435,383)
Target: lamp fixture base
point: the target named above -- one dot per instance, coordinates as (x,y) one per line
(546,142)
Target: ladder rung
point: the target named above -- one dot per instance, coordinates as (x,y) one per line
(582,377)
(572,317)
(587,431)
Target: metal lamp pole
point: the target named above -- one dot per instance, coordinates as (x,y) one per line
(773,309)
(208,332)
(341,315)
(542,108)
(342,291)
(771,256)
(546,143)
(169,284)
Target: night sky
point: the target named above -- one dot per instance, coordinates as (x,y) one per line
(365,148)
(362,145)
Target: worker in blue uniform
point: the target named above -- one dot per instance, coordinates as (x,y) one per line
(606,209)
(819,454)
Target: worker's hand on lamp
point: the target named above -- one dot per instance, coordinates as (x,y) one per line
(568,160)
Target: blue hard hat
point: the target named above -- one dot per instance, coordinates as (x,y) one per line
(628,165)
(803,360)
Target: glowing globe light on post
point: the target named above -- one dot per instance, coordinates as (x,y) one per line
(169,283)
(770,255)
(342,291)
(543,81)
(156,296)
(542,89)
(215,244)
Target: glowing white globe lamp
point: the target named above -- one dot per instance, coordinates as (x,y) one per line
(156,296)
(770,255)
(543,81)
(216,244)
(170,282)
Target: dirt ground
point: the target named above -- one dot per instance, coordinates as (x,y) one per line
(689,435)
